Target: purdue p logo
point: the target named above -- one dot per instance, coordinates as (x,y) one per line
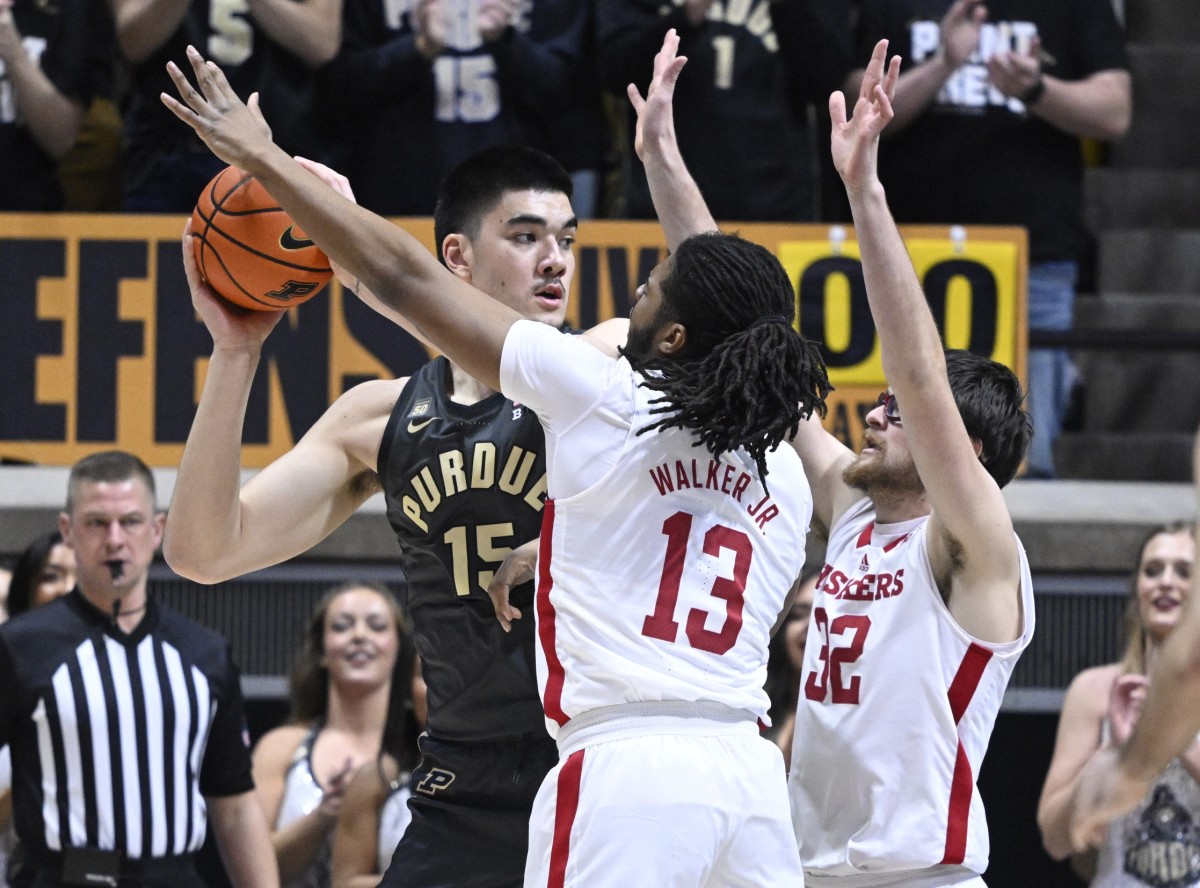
(437,779)
(294,289)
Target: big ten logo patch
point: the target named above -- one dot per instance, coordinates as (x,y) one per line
(975,288)
(435,781)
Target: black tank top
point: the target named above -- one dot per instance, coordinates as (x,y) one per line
(464,485)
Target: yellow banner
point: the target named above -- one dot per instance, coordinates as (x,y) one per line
(101,347)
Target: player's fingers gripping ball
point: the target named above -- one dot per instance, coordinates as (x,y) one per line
(249,250)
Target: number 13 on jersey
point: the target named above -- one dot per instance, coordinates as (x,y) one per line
(661,624)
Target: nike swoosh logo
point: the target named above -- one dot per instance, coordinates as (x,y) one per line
(289,241)
(415,426)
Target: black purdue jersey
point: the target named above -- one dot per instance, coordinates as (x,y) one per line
(465,484)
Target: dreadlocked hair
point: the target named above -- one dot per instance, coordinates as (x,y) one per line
(745,379)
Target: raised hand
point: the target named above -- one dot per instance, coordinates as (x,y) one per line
(1125,700)
(655,118)
(1016,73)
(495,17)
(854,142)
(432,26)
(960,29)
(229,325)
(235,131)
(335,793)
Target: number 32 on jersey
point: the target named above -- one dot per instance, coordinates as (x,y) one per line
(842,642)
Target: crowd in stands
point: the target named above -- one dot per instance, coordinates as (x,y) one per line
(394,95)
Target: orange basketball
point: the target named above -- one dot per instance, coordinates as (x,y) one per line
(249,250)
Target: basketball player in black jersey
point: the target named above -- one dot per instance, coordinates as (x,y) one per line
(463,473)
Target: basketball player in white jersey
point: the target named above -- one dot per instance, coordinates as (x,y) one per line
(925,600)
(665,557)
(1167,720)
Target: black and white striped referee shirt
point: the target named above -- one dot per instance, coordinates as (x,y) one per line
(116,738)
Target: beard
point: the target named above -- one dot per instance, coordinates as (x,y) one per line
(874,475)
(639,340)
(639,344)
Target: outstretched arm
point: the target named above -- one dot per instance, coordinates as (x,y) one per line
(677,200)
(971,541)
(466,325)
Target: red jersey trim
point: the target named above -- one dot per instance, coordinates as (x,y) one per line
(864,538)
(966,680)
(566,806)
(962,786)
(555,676)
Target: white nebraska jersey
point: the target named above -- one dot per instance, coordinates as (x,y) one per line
(897,703)
(661,570)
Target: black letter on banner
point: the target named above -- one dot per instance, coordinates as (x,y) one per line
(587,272)
(103,337)
(23,337)
(812,310)
(618,275)
(301,354)
(180,340)
(984,302)
(401,353)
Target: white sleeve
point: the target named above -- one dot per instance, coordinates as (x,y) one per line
(559,376)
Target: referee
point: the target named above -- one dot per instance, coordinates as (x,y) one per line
(125,719)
